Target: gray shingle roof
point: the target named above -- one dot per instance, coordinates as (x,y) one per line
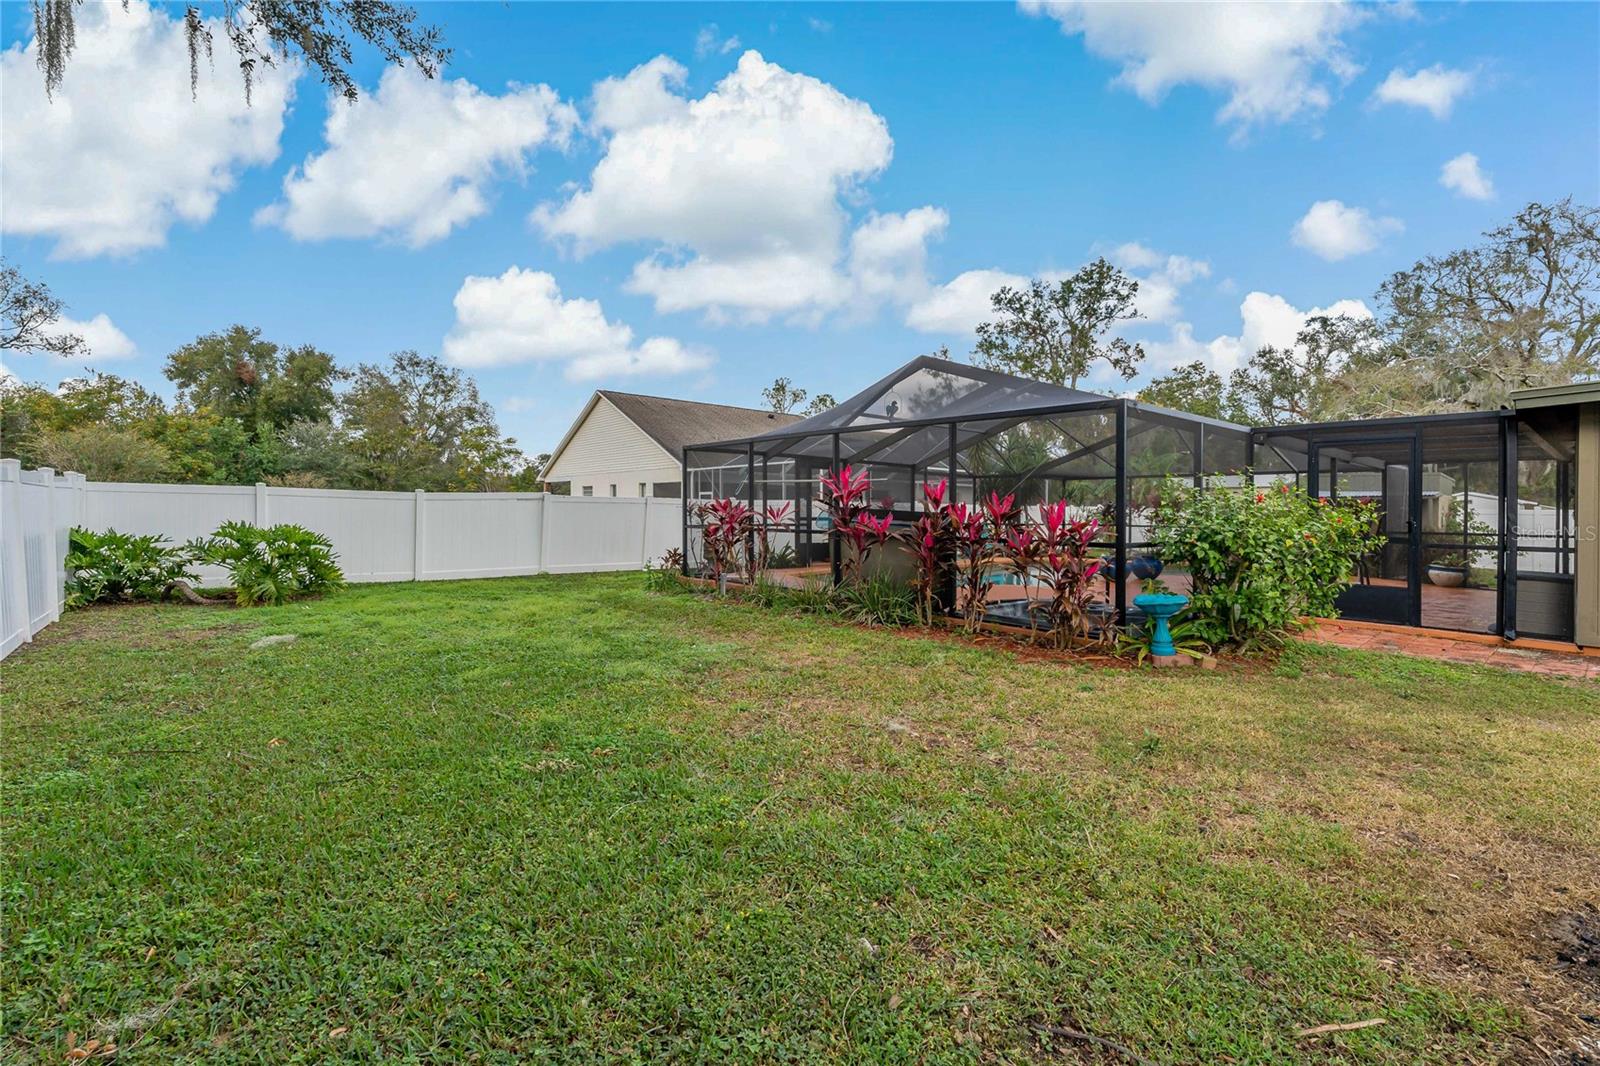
(675,423)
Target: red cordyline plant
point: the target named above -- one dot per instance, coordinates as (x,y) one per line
(726,527)
(1067,572)
(971,534)
(844,494)
(931,540)
(773,517)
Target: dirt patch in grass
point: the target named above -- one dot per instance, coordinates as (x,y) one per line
(133,625)
(1514,918)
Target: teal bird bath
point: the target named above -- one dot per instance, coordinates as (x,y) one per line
(1159,607)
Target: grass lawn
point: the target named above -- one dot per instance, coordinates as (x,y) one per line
(567,819)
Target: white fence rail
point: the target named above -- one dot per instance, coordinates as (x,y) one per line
(380,536)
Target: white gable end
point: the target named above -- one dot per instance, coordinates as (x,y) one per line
(607,449)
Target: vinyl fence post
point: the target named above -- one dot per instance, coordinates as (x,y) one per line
(419,540)
(544,532)
(261,503)
(644,533)
(55,572)
(14,561)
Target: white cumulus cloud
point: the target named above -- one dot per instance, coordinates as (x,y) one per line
(961,303)
(1435,89)
(889,254)
(741,194)
(521,317)
(413,160)
(1464,175)
(647,95)
(124,151)
(1264,318)
(104,339)
(1161,277)
(1274,61)
(1333,230)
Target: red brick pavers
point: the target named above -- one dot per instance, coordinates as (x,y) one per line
(1456,649)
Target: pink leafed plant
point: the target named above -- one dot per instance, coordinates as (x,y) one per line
(1067,571)
(727,526)
(844,493)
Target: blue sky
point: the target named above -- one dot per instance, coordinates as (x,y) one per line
(818,191)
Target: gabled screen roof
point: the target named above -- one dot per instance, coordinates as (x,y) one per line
(929,388)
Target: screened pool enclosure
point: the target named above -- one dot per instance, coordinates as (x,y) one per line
(934,420)
(1477,510)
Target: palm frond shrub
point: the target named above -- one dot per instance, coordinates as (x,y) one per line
(271,565)
(113,567)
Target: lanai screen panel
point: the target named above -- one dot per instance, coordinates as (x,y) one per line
(1460,523)
(710,474)
(1546,522)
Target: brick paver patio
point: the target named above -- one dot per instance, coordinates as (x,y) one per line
(1534,657)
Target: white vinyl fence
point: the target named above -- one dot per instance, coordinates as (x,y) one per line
(380,536)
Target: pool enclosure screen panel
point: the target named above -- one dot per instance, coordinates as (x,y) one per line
(1445,543)
(1545,520)
(1454,554)
(1460,521)
(1380,471)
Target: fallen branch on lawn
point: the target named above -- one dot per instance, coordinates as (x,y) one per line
(1340,1027)
(185,590)
(1089,1038)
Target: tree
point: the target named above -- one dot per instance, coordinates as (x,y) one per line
(1521,310)
(240,376)
(1193,387)
(102,453)
(27,313)
(1308,381)
(1056,333)
(822,401)
(418,424)
(262,31)
(309,448)
(30,411)
(530,475)
(782,396)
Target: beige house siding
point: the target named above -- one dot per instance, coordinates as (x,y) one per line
(609,449)
(1587,570)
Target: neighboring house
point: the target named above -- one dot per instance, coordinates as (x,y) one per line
(624,444)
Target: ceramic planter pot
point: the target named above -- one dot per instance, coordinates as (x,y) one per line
(1448,577)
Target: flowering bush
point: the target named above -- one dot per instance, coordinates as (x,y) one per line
(1260,559)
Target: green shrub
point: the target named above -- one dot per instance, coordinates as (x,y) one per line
(878,600)
(271,565)
(111,567)
(1259,559)
(663,576)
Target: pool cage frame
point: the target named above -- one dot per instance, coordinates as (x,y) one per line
(934,419)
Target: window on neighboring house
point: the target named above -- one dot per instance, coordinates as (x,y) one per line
(670,490)
(613,490)
(588,490)
(644,489)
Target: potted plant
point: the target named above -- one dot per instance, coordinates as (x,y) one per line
(1450,566)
